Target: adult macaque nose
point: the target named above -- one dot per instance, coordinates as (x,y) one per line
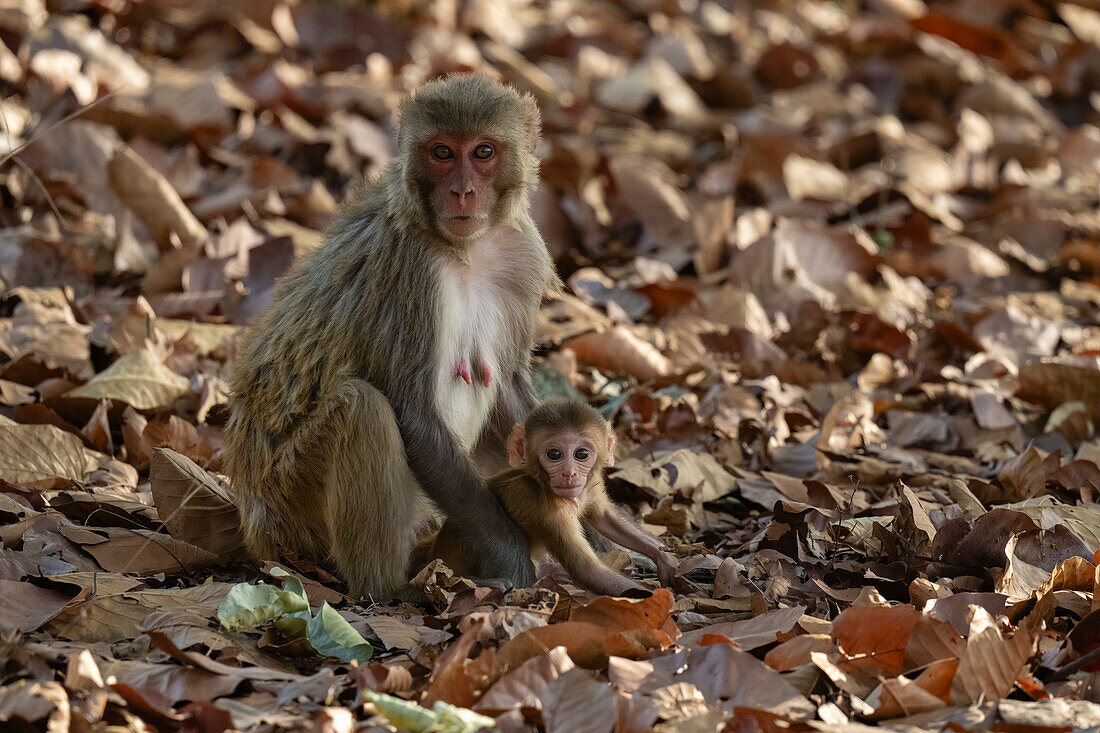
(462,188)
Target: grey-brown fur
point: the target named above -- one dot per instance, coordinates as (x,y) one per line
(333,420)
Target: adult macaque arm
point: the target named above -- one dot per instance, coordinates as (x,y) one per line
(450,479)
(515,400)
(569,547)
(614,526)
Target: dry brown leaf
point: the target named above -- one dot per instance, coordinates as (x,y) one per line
(181,436)
(1051,384)
(900,697)
(207,336)
(138,551)
(28,606)
(872,639)
(991,663)
(138,379)
(36,702)
(115,612)
(154,201)
(722,673)
(43,456)
(796,652)
(619,350)
(932,640)
(694,476)
(193,505)
(751,633)
(522,686)
(578,701)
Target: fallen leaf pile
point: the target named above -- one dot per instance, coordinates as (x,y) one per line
(833,273)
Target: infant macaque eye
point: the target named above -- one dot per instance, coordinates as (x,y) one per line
(581,454)
(553,454)
(442,152)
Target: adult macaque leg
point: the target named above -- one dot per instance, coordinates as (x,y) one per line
(618,529)
(371,499)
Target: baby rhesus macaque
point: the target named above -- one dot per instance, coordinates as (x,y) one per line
(556,483)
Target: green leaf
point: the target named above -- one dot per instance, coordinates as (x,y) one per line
(460,720)
(294,626)
(442,718)
(549,383)
(332,635)
(402,714)
(884,240)
(248,606)
(291,583)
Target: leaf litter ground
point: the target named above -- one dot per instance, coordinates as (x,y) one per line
(834,275)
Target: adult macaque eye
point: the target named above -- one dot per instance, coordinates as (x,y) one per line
(581,454)
(553,454)
(442,152)
(483,152)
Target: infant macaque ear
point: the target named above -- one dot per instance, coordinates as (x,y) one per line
(610,448)
(517,447)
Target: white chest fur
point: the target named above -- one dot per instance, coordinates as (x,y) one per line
(473,335)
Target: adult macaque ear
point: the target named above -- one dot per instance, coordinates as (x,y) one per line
(532,121)
(610,449)
(517,447)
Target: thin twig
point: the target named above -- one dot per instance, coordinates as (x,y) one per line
(39,133)
(1063,672)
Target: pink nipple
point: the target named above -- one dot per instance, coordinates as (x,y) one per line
(462,370)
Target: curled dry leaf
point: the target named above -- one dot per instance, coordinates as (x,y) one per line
(35,703)
(619,350)
(522,686)
(796,652)
(208,337)
(154,200)
(806,178)
(692,475)
(193,505)
(1051,384)
(991,662)
(899,697)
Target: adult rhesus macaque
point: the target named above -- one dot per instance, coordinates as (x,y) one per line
(556,482)
(398,348)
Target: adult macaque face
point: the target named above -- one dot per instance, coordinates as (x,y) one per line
(463,195)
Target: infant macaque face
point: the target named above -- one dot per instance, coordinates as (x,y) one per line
(567,458)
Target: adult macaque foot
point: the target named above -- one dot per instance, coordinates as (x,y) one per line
(502,583)
(411,595)
(638,592)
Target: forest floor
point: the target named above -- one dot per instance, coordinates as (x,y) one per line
(833,274)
